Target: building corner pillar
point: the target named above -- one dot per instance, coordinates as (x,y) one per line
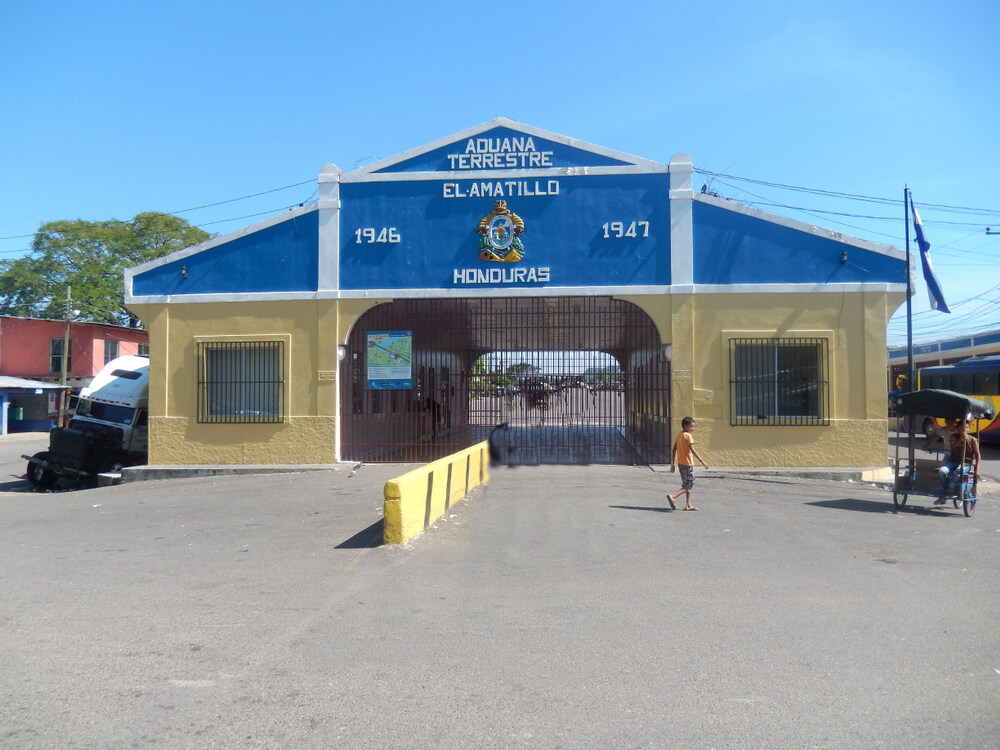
(682,387)
(329,228)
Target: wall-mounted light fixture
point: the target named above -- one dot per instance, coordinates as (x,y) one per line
(341,353)
(184,271)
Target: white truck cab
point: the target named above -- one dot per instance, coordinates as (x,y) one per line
(109,430)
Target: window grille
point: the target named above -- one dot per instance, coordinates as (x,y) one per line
(241,381)
(779,381)
(110,350)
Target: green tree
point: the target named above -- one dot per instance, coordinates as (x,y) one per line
(522,368)
(91,257)
(478,382)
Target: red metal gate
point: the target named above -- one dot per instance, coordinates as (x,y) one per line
(576,380)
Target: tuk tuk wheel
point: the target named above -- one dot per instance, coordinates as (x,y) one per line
(968,507)
(957,502)
(898,498)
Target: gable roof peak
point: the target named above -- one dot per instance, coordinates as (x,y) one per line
(503,145)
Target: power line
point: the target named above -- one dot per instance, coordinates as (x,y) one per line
(825,214)
(849,196)
(250,216)
(815,191)
(811,212)
(198,208)
(241,198)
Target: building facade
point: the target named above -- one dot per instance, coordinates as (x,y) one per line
(31,348)
(367,321)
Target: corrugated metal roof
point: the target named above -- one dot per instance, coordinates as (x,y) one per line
(9,381)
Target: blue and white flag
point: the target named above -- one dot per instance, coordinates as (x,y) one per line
(933,285)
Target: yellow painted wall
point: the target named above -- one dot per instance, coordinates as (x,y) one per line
(311,330)
(698,329)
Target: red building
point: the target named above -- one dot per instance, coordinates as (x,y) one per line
(32,348)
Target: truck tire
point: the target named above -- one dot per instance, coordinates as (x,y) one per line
(113,463)
(37,476)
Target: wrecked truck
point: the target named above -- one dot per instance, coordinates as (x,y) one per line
(108,432)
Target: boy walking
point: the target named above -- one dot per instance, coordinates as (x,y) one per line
(681,456)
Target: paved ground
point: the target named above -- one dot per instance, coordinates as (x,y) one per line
(12,466)
(561,607)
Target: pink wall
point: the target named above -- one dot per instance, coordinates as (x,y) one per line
(24,346)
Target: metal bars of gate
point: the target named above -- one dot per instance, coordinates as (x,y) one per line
(575,379)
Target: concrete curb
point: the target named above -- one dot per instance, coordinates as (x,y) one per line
(878,476)
(145,473)
(417,498)
(881,475)
(874,474)
(842,474)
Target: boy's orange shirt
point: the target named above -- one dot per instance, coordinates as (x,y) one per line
(683,445)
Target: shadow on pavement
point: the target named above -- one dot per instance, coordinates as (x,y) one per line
(654,509)
(367,539)
(747,478)
(871,506)
(16,485)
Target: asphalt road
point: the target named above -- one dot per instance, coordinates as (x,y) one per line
(561,607)
(12,466)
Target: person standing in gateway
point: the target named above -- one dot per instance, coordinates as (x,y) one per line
(681,455)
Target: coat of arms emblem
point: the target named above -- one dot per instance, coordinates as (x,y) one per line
(500,235)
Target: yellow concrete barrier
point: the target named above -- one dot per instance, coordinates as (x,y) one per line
(419,497)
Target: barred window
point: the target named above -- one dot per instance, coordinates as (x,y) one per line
(241,381)
(779,381)
(110,350)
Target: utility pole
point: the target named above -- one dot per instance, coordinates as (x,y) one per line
(67,316)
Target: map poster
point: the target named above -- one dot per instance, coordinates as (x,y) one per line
(390,359)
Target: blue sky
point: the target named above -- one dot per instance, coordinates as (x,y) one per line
(113,108)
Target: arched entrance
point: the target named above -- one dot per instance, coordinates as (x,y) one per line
(576,379)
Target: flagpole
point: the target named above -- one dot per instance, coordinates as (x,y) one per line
(910,385)
(909,293)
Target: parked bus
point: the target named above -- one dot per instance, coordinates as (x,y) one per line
(978,377)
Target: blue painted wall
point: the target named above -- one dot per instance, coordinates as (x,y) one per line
(563,232)
(733,248)
(280,258)
(565,236)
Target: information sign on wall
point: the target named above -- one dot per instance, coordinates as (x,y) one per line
(390,359)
